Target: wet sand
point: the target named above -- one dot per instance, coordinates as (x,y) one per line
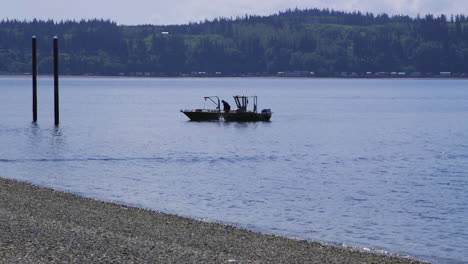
(40,225)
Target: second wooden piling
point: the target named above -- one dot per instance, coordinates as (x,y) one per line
(34,79)
(56,83)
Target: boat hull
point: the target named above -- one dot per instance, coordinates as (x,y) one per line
(232,116)
(200,115)
(246,117)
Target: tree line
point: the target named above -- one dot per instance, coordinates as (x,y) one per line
(323,41)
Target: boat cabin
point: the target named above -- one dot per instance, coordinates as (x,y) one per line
(242,102)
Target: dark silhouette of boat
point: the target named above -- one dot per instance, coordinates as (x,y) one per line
(242,114)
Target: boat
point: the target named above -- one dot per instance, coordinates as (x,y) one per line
(242,114)
(205,114)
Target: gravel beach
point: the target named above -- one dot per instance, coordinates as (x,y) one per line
(40,225)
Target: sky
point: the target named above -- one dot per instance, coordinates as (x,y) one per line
(159,12)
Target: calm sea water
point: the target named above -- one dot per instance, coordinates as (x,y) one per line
(369,163)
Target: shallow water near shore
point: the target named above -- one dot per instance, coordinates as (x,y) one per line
(370,163)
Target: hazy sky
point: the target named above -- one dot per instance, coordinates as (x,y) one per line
(132,12)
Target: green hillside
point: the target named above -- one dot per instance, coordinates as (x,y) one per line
(326,42)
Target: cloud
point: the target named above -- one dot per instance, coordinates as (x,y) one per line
(184,11)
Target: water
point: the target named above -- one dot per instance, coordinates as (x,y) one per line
(369,163)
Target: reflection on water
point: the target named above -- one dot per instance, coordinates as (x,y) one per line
(33,134)
(373,163)
(58,140)
(50,142)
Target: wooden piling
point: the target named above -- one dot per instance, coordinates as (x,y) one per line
(34,79)
(56,82)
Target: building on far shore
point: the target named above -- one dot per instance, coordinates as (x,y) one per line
(445,74)
(294,74)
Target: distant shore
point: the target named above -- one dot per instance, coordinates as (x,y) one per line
(39,225)
(227,77)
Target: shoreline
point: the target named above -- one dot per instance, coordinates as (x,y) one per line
(39,224)
(226,77)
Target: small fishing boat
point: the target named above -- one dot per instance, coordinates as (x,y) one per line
(205,114)
(242,114)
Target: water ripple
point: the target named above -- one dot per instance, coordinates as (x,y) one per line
(149,159)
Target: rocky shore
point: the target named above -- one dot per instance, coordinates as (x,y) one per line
(40,225)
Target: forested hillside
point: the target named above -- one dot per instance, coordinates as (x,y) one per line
(322,41)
